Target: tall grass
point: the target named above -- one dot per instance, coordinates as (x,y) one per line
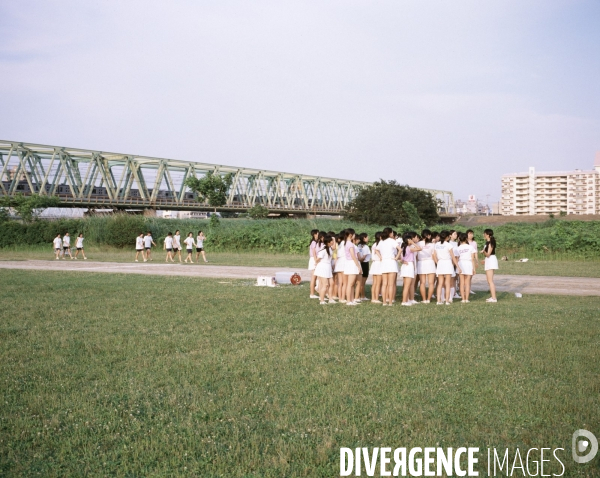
(551,240)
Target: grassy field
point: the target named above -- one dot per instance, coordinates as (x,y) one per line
(164,376)
(558,267)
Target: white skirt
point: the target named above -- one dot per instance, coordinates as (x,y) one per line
(350,268)
(323,269)
(466,267)
(491,263)
(375,268)
(426,266)
(389,265)
(311,264)
(339,264)
(445,266)
(408,270)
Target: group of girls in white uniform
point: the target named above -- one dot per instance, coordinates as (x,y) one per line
(62,246)
(340,265)
(172,245)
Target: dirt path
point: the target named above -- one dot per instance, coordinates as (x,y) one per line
(504,283)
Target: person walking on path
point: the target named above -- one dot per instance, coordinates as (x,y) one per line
(139,247)
(57,242)
(79,246)
(148,243)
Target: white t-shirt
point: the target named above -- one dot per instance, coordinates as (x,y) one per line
(399,241)
(139,243)
(374,256)
(388,248)
(474,246)
(322,255)
(464,252)
(169,242)
(66,241)
(148,241)
(57,243)
(454,245)
(443,250)
(426,251)
(200,241)
(366,252)
(176,239)
(79,243)
(189,242)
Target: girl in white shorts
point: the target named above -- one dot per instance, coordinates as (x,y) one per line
(340,263)
(445,260)
(376,270)
(407,271)
(466,264)
(426,266)
(323,270)
(491,262)
(351,267)
(389,265)
(189,247)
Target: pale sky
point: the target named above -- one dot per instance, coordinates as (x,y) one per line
(435,94)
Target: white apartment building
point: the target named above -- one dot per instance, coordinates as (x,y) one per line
(574,192)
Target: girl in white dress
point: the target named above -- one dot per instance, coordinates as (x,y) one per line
(340,263)
(445,260)
(426,266)
(189,245)
(389,266)
(79,246)
(323,270)
(352,266)
(407,271)
(491,262)
(453,241)
(473,243)
(466,264)
(376,270)
(312,261)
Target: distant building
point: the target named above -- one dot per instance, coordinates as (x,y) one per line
(471,206)
(570,192)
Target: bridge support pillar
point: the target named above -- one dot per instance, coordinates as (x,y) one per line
(149,212)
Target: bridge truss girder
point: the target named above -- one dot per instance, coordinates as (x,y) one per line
(97,179)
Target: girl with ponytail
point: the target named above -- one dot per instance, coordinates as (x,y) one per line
(407,271)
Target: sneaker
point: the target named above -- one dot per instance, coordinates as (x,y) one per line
(465,301)
(448,303)
(491,300)
(433,296)
(407,304)
(331,301)
(456,296)
(145,260)
(375,302)
(424,302)
(85,258)
(413,302)
(323,303)
(57,259)
(136,260)
(473,293)
(75,258)
(344,301)
(314,296)
(334,298)
(351,303)
(440,303)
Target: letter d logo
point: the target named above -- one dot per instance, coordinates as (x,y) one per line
(579,446)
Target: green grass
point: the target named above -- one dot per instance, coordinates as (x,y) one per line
(164,376)
(557,267)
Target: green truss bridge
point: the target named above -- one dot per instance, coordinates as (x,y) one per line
(99,180)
